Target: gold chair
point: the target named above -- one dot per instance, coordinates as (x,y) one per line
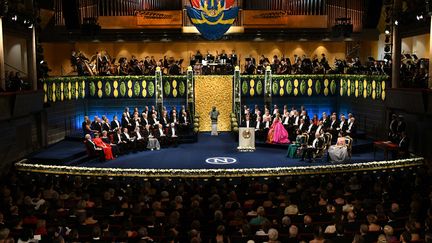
(349,142)
(328,139)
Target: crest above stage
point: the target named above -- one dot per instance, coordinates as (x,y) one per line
(212,18)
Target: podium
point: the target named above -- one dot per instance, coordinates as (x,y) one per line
(246,139)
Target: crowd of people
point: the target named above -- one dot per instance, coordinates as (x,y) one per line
(102,64)
(135,131)
(384,206)
(14,82)
(414,73)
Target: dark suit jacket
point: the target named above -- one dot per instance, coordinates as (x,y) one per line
(335,125)
(124,138)
(326,123)
(251,124)
(114,125)
(116,138)
(165,122)
(125,122)
(182,119)
(106,127)
(353,129)
(344,126)
(96,126)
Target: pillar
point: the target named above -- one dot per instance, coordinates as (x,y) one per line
(397,46)
(430,57)
(2,61)
(32,74)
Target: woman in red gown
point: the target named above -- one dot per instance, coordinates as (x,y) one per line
(106,147)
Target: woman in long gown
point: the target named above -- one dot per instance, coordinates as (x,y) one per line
(277,132)
(106,147)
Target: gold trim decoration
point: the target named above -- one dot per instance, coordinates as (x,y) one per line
(25,166)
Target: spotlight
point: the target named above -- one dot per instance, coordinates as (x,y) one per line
(387,30)
(41,62)
(419,17)
(31,26)
(14,18)
(396,22)
(25,21)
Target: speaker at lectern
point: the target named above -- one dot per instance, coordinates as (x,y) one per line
(246,139)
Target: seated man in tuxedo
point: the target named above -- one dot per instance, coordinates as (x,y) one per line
(141,141)
(130,141)
(125,121)
(119,142)
(92,149)
(184,122)
(164,120)
(161,136)
(172,136)
(317,143)
(115,124)
(106,125)
(326,121)
(247,122)
(352,128)
(343,125)
(154,121)
(259,129)
(114,148)
(173,117)
(144,120)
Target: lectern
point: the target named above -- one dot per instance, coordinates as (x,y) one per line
(246,139)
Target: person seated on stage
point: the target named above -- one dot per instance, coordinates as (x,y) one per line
(92,149)
(312,126)
(174,117)
(114,148)
(119,142)
(326,121)
(277,133)
(304,115)
(183,122)
(404,146)
(106,125)
(343,125)
(247,122)
(352,128)
(136,121)
(164,120)
(308,152)
(301,127)
(125,121)
(86,126)
(339,153)
(141,141)
(286,119)
(267,119)
(172,135)
(115,124)
(161,135)
(130,141)
(334,125)
(320,128)
(152,142)
(393,135)
(126,112)
(154,121)
(96,125)
(104,146)
(144,120)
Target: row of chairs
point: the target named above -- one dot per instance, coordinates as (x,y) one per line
(303,141)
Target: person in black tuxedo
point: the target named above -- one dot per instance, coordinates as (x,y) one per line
(125,121)
(136,121)
(96,125)
(92,149)
(106,125)
(302,128)
(165,120)
(144,120)
(172,136)
(154,122)
(141,140)
(404,146)
(317,143)
(305,117)
(119,142)
(333,129)
(174,118)
(126,112)
(184,122)
(130,141)
(259,129)
(115,124)
(343,125)
(161,135)
(352,128)
(173,109)
(326,121)
(393,134)
(248,123)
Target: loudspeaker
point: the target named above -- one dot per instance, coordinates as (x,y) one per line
(71,14)
(428,9)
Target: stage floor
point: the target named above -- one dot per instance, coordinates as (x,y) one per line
(210,156)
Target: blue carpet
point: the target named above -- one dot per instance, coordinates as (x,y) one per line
(61,151)
(193,156)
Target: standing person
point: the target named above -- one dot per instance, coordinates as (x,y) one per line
(214,114)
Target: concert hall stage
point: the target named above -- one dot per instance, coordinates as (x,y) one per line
(210,156)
